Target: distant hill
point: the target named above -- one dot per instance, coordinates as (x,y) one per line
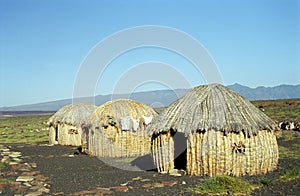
(165,97)
(267,93)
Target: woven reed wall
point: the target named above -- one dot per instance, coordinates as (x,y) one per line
(211,153)
(162,148)
(52,134)
(66,134)
(112,142)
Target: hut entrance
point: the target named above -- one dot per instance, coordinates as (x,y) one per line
(180,145)
(56,133)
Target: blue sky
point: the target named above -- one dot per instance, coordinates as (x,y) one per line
(43,43)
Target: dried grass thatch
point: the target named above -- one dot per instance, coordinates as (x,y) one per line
(224,134)
(64,125)
(105,134)
(73,114)
(212,107)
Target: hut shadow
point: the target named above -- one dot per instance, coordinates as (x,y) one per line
(144,163)
(180,145)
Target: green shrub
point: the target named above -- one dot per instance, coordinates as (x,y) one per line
(223,185)
(291,175)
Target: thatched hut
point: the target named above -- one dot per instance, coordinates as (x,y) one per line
(214,131)
(65,124)
(118,129)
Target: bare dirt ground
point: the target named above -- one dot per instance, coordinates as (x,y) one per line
(63,173)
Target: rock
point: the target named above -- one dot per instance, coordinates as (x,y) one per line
(145,180)
(6,153)
(25,178)
(27,184)
(92,192)
(17,159)
(169,183)
(157,185)
(4,159)
(15,167)
(103,191)
(41,178)
(15,154)
(58,193)
(120,189)
(125,184)
(183,182)
(174,172)
(15,183)
(32,173)
(33,165)
(13,163)
(137,178)
(47,185)
(3,149)
(11,173)
(36,187)
(71,155)
(37,193)
(44,190)
(18,188)
(147,185)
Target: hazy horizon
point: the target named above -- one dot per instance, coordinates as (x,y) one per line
(142,91)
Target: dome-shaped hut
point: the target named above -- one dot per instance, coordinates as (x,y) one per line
(118,129)
(212,131)
(65,124)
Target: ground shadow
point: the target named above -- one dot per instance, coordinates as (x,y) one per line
(145,163)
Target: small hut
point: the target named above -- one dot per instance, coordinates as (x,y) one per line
(212,131)
(65,124)
(118,129)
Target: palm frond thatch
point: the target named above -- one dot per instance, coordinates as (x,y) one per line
(73,114)
(209,107)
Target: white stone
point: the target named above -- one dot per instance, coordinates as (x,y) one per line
(34,194)
(25,178)
(27,184)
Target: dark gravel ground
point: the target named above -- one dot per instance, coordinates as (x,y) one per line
(70,175)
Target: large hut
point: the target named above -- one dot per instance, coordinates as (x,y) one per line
(212,131)
(65,124)
(118,129)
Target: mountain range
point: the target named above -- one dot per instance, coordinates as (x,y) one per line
(161,98)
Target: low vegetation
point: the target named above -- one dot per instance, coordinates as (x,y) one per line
(292,174)
(281,110)
(223,185)
(2,165)
(4,181)
(23,129)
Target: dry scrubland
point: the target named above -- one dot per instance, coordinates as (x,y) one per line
(32,130)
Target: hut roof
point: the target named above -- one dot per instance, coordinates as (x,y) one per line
(118,110)
(74,114)
(209,107)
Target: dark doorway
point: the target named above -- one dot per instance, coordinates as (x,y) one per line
(180,151)
(56,133)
